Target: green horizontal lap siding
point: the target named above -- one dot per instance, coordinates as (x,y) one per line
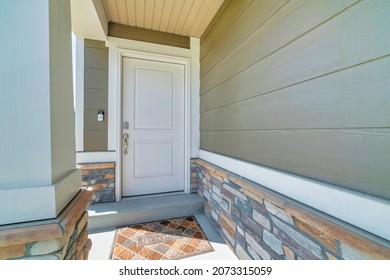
(362,101)
(95,98)
(95,95)
(354,158)
(337,44)
(221,25)
(275,33)
(305,92)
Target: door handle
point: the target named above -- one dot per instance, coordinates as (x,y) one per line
(125,138)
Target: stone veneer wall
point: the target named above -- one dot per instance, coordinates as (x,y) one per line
(258,223)
(99,177)
(64,238)
(194,177)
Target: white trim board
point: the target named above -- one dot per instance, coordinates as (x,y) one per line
(92,157)
(79,91)
(366,212)
(38,202)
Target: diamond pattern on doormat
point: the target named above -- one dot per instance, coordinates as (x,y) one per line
(161,240)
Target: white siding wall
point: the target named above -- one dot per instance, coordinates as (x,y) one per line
(24,97)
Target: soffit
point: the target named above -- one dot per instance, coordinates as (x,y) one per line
(182,17)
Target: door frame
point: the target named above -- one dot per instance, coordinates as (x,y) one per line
(115,105)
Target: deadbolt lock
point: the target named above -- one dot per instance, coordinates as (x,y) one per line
(125,125)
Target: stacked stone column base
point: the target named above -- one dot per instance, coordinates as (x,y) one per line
(64,238)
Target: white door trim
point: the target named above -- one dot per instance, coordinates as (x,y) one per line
(115,105)
(78,88)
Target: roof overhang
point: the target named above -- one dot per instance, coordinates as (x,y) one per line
(89,19)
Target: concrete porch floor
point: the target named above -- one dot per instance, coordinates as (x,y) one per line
(106,217)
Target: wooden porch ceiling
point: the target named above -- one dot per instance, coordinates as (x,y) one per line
(188,18)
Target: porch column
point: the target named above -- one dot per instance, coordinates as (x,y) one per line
(42,209)
(38,175)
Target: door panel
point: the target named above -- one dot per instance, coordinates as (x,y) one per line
(153,105)
(153,158)
(154,99)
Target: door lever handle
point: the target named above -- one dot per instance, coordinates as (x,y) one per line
(125,138)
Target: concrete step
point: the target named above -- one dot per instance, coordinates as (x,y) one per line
(145,209)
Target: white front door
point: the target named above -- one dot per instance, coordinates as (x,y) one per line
(153,118)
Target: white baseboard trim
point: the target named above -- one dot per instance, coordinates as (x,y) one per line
(366,212)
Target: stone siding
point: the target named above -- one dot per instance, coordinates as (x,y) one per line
(258,223)
(99,177)
(64,238)
(194,177)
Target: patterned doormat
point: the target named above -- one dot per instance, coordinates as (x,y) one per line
(161,240)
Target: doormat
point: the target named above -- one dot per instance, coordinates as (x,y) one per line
(161,240)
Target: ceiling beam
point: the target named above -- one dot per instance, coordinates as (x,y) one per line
(147,35)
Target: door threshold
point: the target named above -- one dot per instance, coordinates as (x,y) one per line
(135,197)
